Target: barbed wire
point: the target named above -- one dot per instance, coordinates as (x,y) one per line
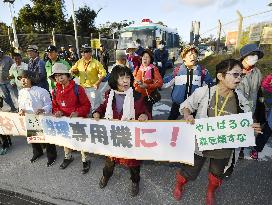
(236,20)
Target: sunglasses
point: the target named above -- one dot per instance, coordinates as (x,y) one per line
(236,75)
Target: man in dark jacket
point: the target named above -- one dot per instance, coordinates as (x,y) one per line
(161,57)
(37,66)
(104,57)
(140,49)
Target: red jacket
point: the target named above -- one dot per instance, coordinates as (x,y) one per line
(66,101)
(140,108)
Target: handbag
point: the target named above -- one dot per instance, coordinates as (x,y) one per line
(153,98)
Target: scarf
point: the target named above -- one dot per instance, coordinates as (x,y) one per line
(128,106)
(248,69)
(147,72)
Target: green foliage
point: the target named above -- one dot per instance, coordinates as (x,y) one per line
(3,29)
(85,21)
(264,64)
(42,17)
(107,29)
(244,38)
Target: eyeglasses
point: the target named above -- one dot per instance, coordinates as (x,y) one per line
(236,75)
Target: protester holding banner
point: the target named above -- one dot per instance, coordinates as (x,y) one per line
(123,103)
(250,86)
(90,73)
(35,100)
(221,99)
(70,100)
(148,79)
(187,77)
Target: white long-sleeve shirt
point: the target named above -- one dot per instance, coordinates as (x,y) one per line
(34,98)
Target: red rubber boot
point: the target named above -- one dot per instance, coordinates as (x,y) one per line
(214,183)
(180,182)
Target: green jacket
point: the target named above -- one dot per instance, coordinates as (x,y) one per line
(48,67)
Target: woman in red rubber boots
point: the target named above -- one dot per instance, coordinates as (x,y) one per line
(221,99)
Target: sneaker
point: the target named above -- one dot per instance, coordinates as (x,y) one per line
(86,167)
(3,151)
(66,162)
(134,189)
(103,182)
(35,157)
(254,154)
(50,162)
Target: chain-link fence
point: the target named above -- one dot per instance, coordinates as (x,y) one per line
(43,40)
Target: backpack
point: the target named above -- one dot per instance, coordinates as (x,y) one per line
(75,91)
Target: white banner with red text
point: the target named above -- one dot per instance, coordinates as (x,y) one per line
(172,141)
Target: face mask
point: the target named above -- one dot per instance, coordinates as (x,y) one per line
(251,60)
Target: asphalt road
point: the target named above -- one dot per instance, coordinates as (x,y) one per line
(251,182)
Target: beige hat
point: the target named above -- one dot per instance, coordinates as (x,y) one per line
(131,45)
(121,55)
(32,48)
(187,48)
(58,68)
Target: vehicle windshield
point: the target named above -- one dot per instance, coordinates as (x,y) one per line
(146,36)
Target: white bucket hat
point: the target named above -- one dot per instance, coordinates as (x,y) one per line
(32,48)
(59,68)
(131,45)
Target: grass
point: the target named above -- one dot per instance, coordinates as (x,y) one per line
(264,64)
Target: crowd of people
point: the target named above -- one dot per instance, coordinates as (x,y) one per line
(134,87)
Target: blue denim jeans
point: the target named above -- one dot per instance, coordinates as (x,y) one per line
(6,96)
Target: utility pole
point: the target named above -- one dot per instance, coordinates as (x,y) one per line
(219,36)
(240,30)
(75,27)
(196,32)
(192,33)
(15,42)
(53,37)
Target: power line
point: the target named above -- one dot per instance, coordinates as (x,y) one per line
(233,21)
(263,12)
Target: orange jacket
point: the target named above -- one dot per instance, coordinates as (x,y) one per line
(152,84)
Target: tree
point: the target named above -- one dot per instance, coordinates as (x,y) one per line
(3,29)
(109,28)
(244,38)
(42,17)
(85,17)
